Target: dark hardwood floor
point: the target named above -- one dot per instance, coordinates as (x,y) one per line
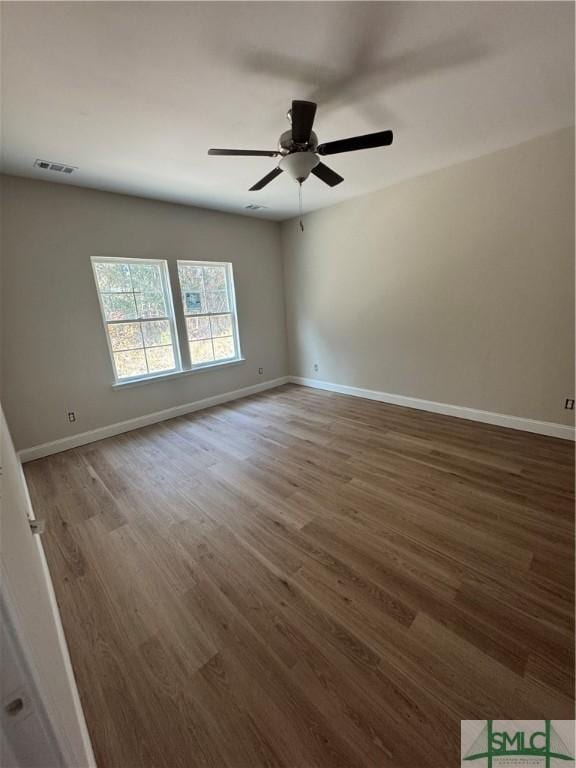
(306,580)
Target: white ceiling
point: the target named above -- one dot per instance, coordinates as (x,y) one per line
(134,93)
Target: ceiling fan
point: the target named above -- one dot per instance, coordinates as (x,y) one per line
(298,149)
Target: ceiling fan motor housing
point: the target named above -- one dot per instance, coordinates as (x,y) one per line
(287,144)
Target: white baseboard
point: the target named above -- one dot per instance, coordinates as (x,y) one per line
(461,412)
(487,417)
(83,438)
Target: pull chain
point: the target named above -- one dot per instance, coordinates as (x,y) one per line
(300,204)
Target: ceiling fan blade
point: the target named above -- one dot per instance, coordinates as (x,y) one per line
(369,141)
(327,175)
(244,152)
(303,113)
(266,179)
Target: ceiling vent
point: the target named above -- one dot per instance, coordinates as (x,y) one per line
(254,207)
(48,165)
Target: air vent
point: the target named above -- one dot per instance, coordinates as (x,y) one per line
(254,207)
(48,165)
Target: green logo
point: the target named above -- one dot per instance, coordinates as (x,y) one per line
(545,744)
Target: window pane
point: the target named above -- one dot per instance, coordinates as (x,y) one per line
(194,302)
(207,292)
(215,278)
(125,336)
(221,325)
(137,307)
(151,305)
(131,363)
(118,306)
(198,328)
(217,301)
(224,348)
(160,359)
(201,352)
(146,277)
(113,277)
(190,277)
(156,333)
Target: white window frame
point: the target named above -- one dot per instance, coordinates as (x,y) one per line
(233,312)
(167,291)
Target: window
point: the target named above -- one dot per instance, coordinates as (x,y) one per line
(138,315)
(209,308)
(136,304)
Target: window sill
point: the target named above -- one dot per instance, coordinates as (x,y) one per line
(177,374)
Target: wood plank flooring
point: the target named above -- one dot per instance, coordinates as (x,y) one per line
(306,580)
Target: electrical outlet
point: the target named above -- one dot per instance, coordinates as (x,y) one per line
(260,371)
(71,416)
(569,404)
(316,367)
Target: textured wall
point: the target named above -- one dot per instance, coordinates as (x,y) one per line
(457,286)
(55,357)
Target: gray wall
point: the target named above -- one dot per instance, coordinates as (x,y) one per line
(54,353)
(457,286)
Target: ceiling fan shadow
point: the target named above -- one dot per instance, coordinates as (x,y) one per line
(368,74)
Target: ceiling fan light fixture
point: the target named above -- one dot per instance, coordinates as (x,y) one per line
(298,165)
